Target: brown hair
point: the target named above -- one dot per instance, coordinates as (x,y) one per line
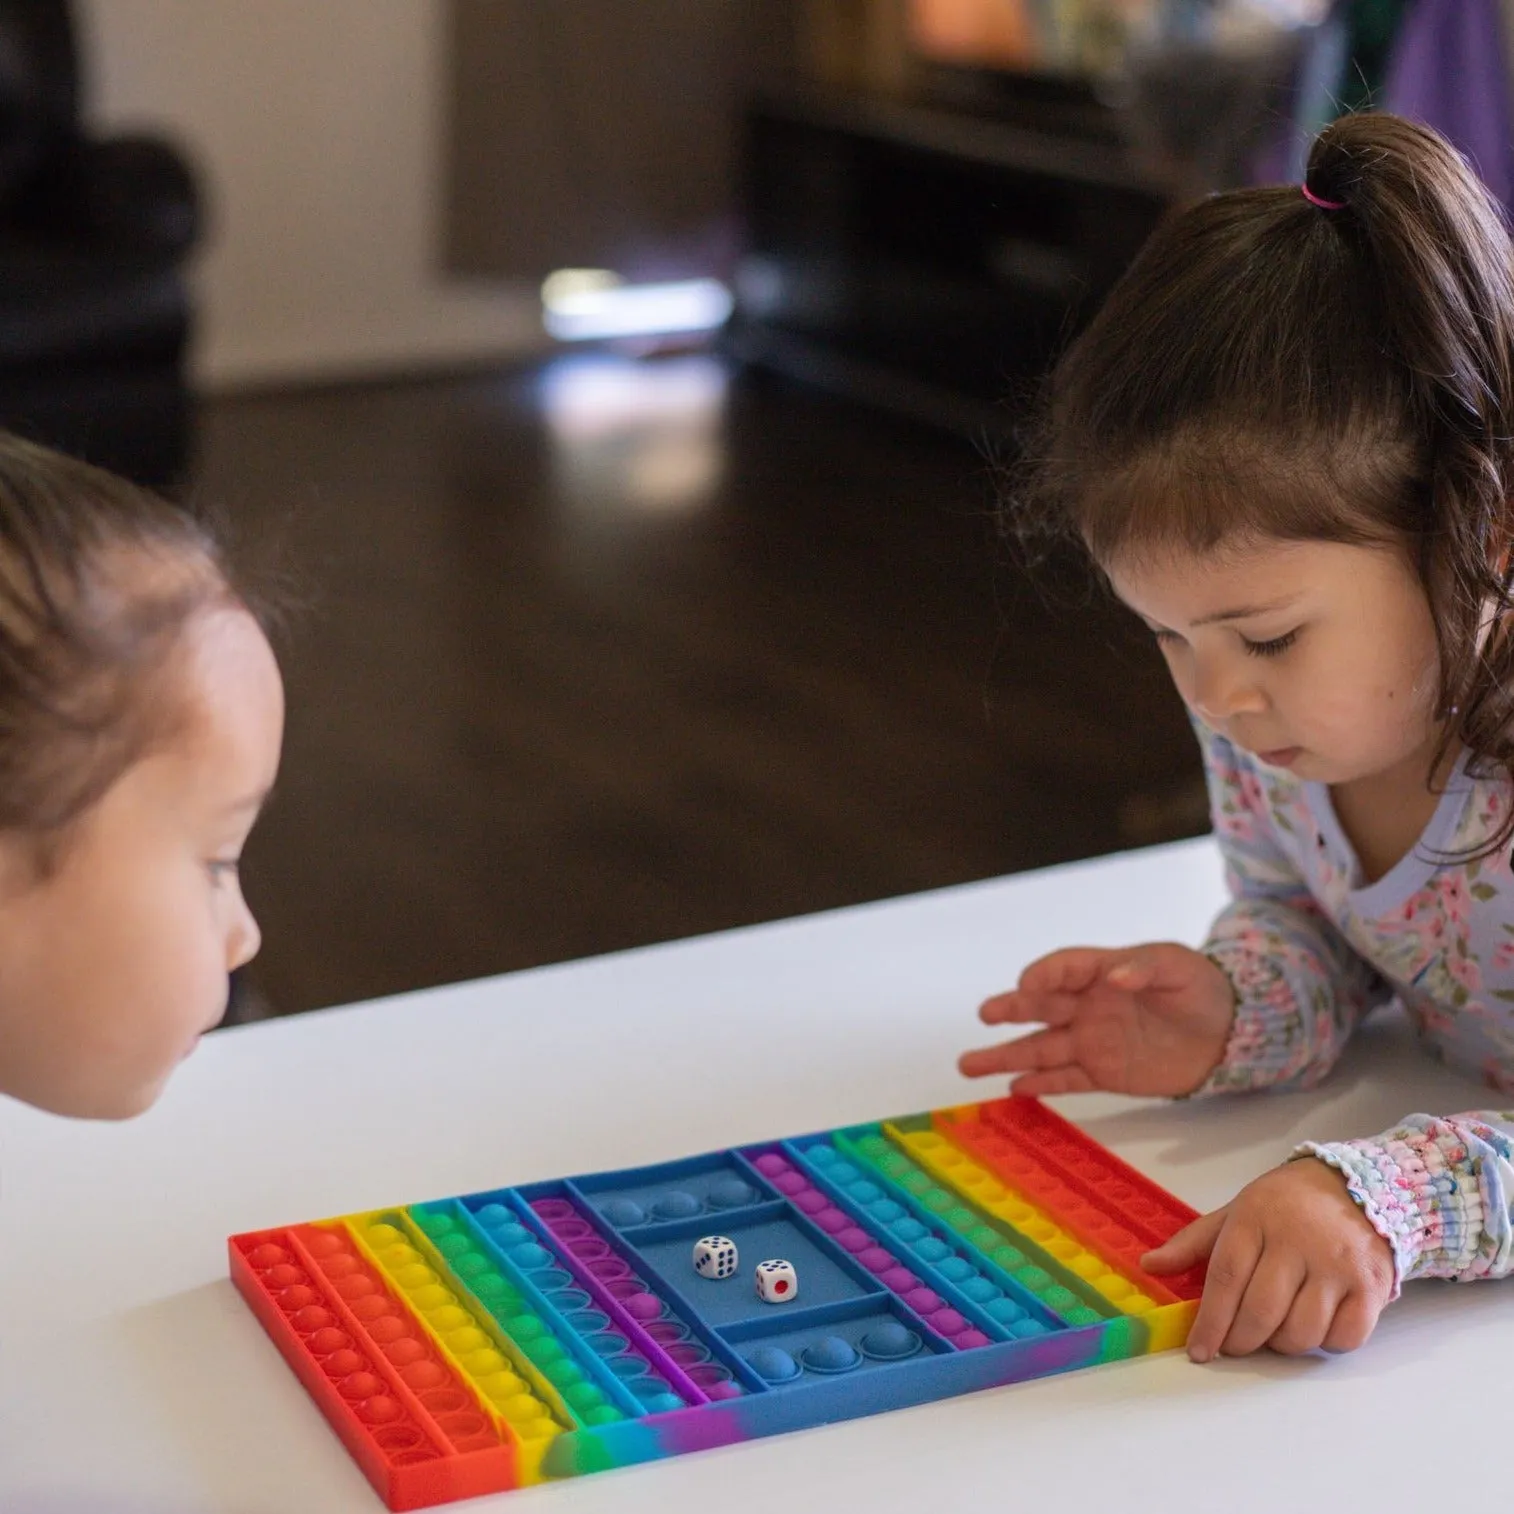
(1268,369)
(97,581)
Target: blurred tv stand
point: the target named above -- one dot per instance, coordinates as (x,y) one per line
(932,256)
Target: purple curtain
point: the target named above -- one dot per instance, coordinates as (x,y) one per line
(1450,70)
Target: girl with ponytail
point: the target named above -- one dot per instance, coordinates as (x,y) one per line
(1287,444)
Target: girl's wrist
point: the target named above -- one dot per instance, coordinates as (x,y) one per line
(1224,1031)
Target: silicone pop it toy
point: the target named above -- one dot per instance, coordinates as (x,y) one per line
(476,1344)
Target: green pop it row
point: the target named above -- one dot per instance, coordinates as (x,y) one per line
(473,1266)
(1061,1292)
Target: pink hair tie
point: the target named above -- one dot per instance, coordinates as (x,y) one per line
(1314,199)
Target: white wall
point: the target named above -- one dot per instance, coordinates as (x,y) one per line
(319,128)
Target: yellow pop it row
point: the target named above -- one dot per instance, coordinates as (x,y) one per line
(953,1167)
(519,1400)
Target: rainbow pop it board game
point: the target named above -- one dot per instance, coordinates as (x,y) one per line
(476,1344)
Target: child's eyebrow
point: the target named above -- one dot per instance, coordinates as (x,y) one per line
(1243,612)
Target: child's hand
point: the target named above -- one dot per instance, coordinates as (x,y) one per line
(1148,1020)
(1293,1264)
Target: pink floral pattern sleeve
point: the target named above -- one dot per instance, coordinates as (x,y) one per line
(1301,988)
(1312,946)
(1437,1190)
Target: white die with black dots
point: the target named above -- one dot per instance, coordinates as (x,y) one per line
(715,1257)
(777,1282)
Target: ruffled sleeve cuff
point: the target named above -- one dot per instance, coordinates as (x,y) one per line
(1430,1214)
(1266,1034)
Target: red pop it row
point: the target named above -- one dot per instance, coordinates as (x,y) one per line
(415,1429)
(1114,1210)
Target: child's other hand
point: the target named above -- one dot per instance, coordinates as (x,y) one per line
(1148,1020)
(1294,1264)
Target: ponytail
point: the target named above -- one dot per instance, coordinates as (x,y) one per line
(1438,246)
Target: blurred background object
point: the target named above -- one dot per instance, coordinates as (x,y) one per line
(94,235)
(628,388)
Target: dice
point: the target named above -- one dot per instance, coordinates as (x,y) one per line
(777,1282)
(715,1256)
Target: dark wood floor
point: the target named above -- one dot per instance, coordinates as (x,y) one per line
(595,655)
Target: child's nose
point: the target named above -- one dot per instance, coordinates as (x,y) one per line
(244,939)
(1220,692)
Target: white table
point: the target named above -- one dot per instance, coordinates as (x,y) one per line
(132,1378)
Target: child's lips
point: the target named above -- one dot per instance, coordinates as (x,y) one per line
(1281,757)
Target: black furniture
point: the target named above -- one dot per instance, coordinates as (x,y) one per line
(929,259)
(94,309)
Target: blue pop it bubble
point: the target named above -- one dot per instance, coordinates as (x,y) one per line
(865,1192)
(731,1193)
(587,1321)
(843,1173)
(980,1290)
(954,1269)
(886,1210)
(662,1403)
(773,1364)
(831,1354)
(909,1229)
(823,1156)
(489,1216)
(623,1213)
(607,1343)
(531,1256)
(890,1342)
(511,1235)
(677,1205)
(932,1249)
(1027,1327)
(1005,1310)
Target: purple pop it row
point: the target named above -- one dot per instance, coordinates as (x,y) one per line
(640,1314)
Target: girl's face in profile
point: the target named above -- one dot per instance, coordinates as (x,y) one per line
(1317,657)
(114,964)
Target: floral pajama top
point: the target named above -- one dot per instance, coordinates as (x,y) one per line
(1311,950)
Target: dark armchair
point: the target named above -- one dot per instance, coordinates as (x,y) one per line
(94,309)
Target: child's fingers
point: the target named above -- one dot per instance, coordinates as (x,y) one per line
(1147,968)
(1044,1051)
(1308,1321)
(1017,1007)
(1190,1246)
(1266,1303)
(1231,1263)
(1354,1321)
(1051,990)
(1071,971)
(1042,1085)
